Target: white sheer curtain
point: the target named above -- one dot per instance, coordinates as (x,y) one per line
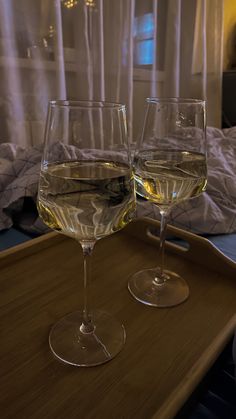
(115,50)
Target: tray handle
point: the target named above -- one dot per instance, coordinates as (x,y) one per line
(196,248)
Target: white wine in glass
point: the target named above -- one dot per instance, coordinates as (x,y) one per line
(86,191)
(170,166)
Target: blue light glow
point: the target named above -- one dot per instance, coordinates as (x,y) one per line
(143,36)
(144,52)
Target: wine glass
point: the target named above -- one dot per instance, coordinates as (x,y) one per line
(170,166)
(86,191)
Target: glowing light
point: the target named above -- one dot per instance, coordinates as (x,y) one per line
(70,3)
(90,3)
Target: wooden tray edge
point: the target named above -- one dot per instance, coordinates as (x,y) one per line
(186,387)
(29,247)
(200,251)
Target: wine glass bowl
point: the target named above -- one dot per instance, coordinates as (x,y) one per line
(86,191)
(170,167)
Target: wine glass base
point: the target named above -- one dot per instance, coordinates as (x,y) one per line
(144,288)
(73,347)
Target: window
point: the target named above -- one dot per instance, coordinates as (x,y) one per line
(149,38)
(144,40)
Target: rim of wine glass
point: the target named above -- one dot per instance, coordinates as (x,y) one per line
(91,104)
(180,100)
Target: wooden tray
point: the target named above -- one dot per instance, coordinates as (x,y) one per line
(167,351)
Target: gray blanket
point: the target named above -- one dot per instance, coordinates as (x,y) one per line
(214,212)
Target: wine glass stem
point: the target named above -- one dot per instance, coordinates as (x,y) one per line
(87,325)
(160,277)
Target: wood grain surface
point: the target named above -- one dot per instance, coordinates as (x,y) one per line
(167,351)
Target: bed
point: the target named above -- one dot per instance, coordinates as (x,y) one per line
(213,214)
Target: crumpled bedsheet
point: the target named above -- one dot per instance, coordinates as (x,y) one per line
(213,212)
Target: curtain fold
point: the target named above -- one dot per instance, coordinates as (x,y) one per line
(121,51)
(207,60)
(173,48)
